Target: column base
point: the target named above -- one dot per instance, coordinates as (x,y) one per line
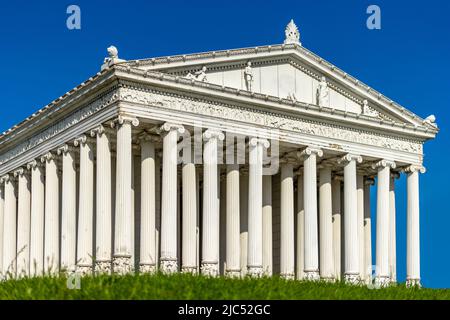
(311,275)
(382,281)
(413,283)
(147,268)
(255,271)
(210,269)
(233,273)
(352,278)
(122,265)
(169,265)
(191,270)
(84,270)
(103,267)
(287,276)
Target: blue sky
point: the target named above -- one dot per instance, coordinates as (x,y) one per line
(408,60)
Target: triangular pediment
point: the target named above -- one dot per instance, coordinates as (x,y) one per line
(290,72)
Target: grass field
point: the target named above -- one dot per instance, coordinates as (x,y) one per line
(182,286)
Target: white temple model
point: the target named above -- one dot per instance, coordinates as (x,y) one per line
(237,162)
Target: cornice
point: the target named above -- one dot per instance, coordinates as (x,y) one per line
(140,79)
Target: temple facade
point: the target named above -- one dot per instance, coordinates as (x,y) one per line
(243,162)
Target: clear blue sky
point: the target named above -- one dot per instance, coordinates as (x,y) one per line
(408,60)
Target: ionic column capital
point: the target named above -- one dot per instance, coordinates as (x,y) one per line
(34,164)
(81,140)
(350,157)
(309,151)
(384,163)
(210,134)
(170,126)
(99,131)
(20,172)
(122,119)
(255,141)
(5,178)
(64,149)
(47,157)
(414,168)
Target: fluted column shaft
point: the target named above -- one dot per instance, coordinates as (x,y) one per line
(103,221)
(325,224)
(300,227)
(360,210)
(210,240)
(367,230)
(233,247)
(189,217)
(2,216)
(23,222)
(147,261)
(37,218)
(352,270)
(9,228)
(124,215)
(255,195)
(267,241)
(392,230)
(69,212)
(51,224)
(382,247)
(169,223)
(287,263)
(413,227)
(337,222)
(311,270)
(85,207)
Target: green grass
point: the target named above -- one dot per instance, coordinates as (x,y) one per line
(182,286)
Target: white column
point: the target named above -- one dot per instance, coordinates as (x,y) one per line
(300,227)
(255,195)
(2,207)
(367,230)
(382,247)
(233,247)
(325,224)
(9,228)
(243,221)
(23,222)
(69,212)
(360,210)
(103,220)
(169,261)
(311,270)
(85,206)
(413,226)
(51,222)
(337,218)
(189,217)
(147,263)
(351,270)
(392,229)
(210,239)
(267,243)
(123,242)
(287,253)
(37,218)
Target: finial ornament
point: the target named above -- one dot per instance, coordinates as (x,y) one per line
(431,119)
(112,59)
(292,34)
